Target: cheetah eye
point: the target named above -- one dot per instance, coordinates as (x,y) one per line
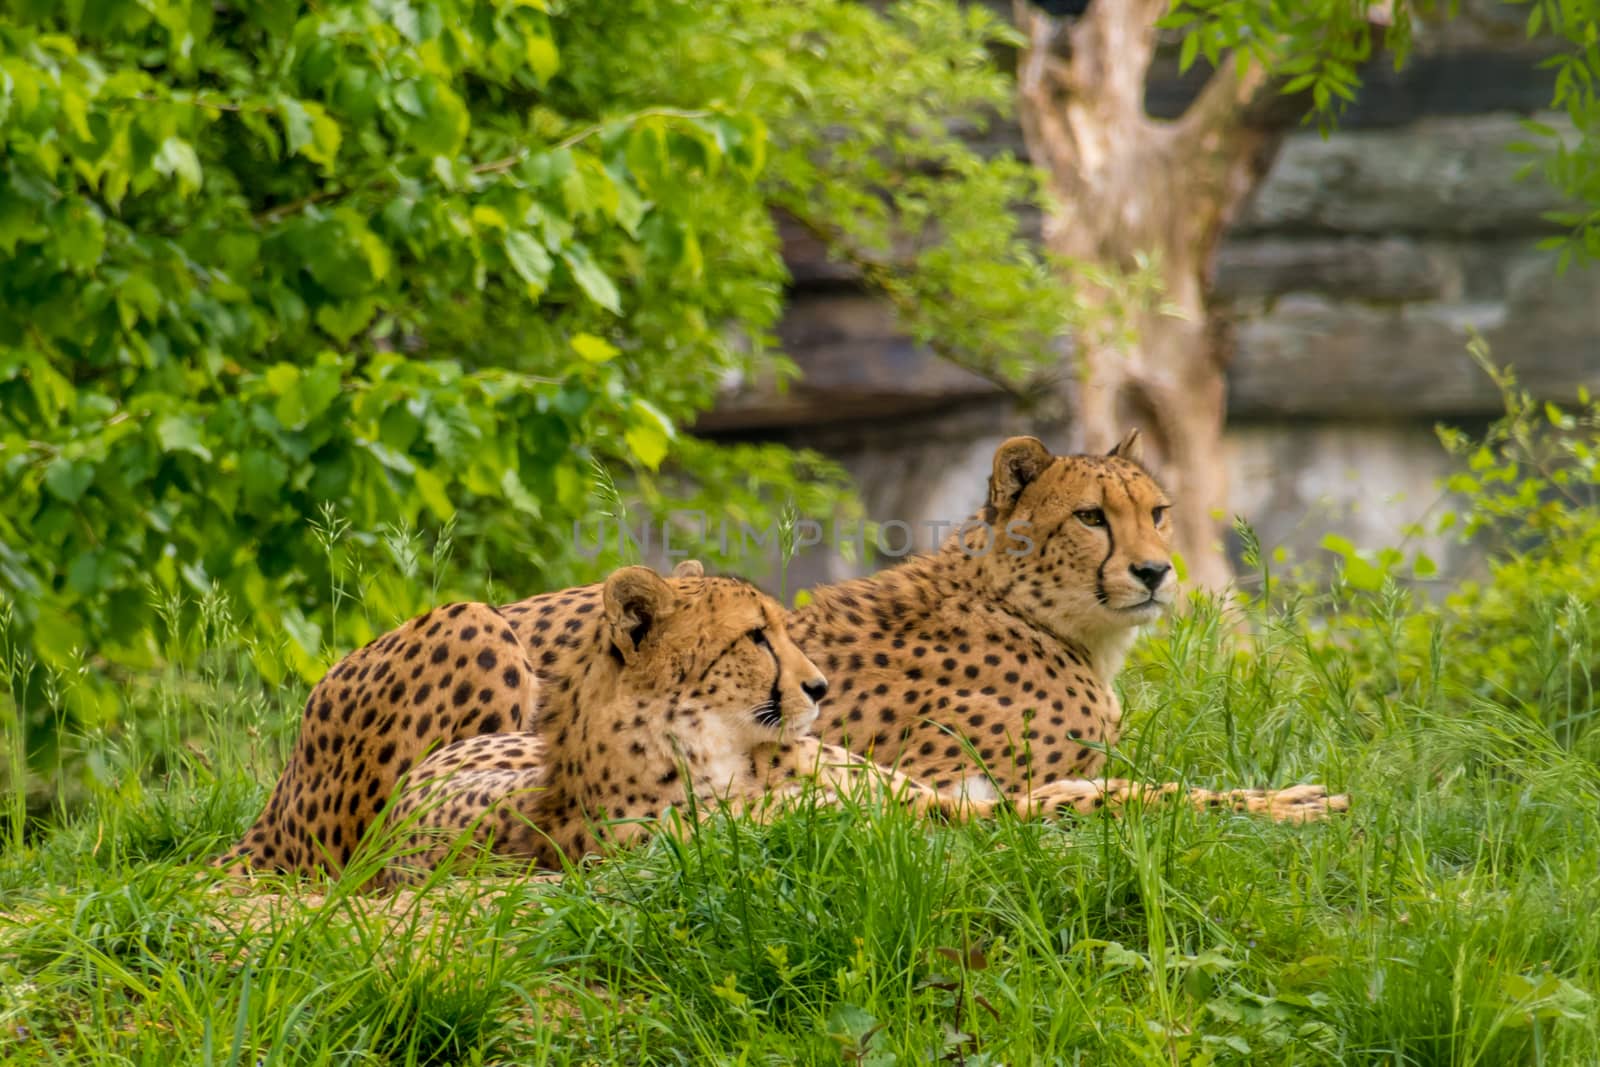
(759,637)
(1091,517)
(1158,514)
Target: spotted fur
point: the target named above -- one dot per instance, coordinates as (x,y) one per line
(458,671)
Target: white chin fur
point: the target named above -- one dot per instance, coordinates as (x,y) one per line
(804,722)
(977,787)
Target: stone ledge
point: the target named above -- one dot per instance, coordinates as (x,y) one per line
(1440,176)
(1309,355)
(855,365)
(1381,269)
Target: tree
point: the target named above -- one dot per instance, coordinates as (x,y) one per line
(288,290)
(1129,188)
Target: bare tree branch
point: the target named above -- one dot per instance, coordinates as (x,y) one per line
(1112,46)
(1240,116)
(1081,91)
(1098,62)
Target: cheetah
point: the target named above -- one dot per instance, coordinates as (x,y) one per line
(985,667)
(683,685)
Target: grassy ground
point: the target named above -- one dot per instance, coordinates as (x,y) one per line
(1448,919)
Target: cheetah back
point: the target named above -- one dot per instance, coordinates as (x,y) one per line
(457,671)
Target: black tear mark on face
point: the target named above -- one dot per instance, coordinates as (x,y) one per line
(771,713)
(1100,572)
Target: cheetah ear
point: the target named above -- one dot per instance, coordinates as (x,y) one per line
(1017,462)
(689,568)
(636,600)
(1131,447)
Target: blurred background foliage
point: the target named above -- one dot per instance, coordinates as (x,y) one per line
(288,287)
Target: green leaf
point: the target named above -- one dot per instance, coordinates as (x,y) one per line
(262,476)
(440,118)
(342,321)
(591,279)
(306,640)
(1188,52)
(68,479)
(391,458)
(529,259)
(181,433)
(57,634)
(1339,544)
(356,95)
(176,157)
(430,487)
(649,434)
(303,395)
(282,378)
(90,572)
(630,209)
(1358,571)
(594,349)
(343,254)
(321,385)
(850,1024)
(310,131)
(137,299)
(543,58)
(80,236)
(517,495)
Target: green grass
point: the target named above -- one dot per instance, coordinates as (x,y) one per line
(1448,919)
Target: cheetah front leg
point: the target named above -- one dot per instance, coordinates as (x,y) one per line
(1301,803)
(1297,803)
(838,772)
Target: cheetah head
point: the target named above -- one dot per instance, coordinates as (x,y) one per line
(716,648)
(1082,544)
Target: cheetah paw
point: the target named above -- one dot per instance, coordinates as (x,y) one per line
(1304,803)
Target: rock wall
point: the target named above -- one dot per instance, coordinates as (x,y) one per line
(1351,282)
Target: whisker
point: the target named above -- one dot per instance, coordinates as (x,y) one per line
(767,713)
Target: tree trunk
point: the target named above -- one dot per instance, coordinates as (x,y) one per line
(1127,189)
(1172,387)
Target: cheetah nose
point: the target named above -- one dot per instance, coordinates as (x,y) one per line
(816,689)
(1151,572)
